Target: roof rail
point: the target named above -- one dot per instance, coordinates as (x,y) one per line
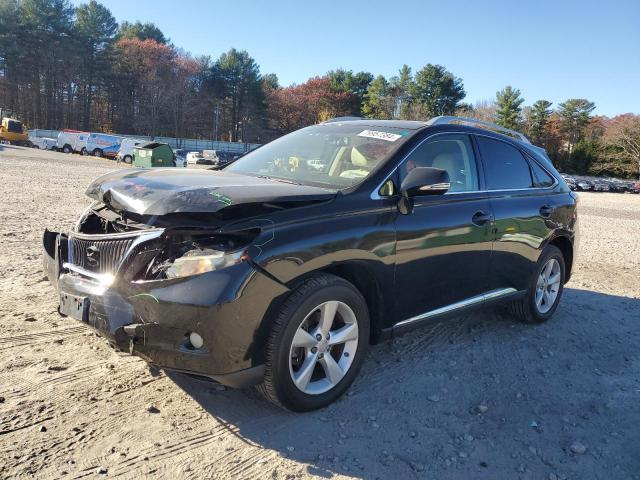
(448,120)
(342,119)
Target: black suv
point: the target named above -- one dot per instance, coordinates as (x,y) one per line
(279,270)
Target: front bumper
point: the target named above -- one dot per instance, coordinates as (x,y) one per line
(153,319)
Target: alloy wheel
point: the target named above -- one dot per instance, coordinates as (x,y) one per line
(548,285)
(323,347)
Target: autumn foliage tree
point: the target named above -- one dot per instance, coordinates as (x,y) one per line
(301,105)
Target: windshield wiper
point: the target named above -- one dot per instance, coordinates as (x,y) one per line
(277,179)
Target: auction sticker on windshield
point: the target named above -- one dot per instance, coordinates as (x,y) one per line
(389,137)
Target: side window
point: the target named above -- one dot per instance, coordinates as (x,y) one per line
(452,153)
(505,167)
(541,178)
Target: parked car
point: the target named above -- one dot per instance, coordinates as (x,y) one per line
(180,157)
(42,143)
(72,141)
(103,145)
(125,153)
(600,185)
(274,274)
(194,158)
(584,185)
(615,186)
(571,182)
(217,158)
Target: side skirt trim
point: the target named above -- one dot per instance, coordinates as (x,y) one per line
(454,307)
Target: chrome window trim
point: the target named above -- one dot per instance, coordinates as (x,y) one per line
(475,300)
(375,195)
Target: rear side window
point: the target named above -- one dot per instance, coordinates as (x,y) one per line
(506,168)
(541,179)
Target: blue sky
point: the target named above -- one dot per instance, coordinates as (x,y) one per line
(548,49)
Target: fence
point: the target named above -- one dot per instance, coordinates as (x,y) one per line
(189,144)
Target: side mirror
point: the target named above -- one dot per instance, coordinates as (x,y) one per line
(425,181)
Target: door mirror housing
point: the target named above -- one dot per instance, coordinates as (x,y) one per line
(425,181)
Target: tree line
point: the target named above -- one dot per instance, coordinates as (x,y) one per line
(76,67)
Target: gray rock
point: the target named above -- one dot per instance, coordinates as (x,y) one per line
(152,409)
(578,448)
(102,470)
(433,398)
(482,408)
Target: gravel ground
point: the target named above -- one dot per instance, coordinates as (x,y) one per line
(481,397)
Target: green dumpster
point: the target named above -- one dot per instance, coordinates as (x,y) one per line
(153,154)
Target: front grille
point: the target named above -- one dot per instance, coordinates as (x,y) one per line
(99,256)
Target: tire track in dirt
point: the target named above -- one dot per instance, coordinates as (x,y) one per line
(41,336)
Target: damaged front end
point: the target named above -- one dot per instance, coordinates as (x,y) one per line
(174,289)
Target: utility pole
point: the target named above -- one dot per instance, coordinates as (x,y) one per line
(217,113)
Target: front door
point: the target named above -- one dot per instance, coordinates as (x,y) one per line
(443,246)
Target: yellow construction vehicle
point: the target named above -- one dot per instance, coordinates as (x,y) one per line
(13,131)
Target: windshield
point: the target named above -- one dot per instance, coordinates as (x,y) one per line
(333,155)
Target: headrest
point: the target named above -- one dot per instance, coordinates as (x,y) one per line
(445,161)
(358,158)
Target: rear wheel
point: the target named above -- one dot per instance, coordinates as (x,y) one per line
(127,159)
(67,149)
(97,153)
(545,289)
(317,344)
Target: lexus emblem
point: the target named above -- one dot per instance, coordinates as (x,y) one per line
(93,255)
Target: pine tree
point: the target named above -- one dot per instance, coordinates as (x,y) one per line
(537,119)
(436,91)
(509,108)
(378,102)
(576,115)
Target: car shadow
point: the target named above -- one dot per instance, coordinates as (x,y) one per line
(419,397)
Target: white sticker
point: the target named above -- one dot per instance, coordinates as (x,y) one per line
(389,137)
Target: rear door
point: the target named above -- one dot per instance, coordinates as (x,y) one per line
(522,200)
(444,244)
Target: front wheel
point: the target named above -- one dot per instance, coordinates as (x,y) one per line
(317,344)
(545,289)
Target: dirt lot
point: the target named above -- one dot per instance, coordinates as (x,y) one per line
(482,397)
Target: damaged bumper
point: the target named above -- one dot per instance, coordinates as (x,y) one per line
(153,319)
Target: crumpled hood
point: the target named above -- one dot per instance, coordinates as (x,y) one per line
(160,191)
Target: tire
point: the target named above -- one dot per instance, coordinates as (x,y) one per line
(127,159)
(97,153)
(528,310)
(284,361)
(67,149)
(84,152)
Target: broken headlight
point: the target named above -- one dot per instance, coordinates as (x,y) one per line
(195,262)
(186,255)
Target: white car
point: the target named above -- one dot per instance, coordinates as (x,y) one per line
(43,143)
(194,157)
(125,154)
(180,158)
(70,141)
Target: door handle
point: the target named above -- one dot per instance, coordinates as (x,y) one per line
(546,210)
(480,218)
